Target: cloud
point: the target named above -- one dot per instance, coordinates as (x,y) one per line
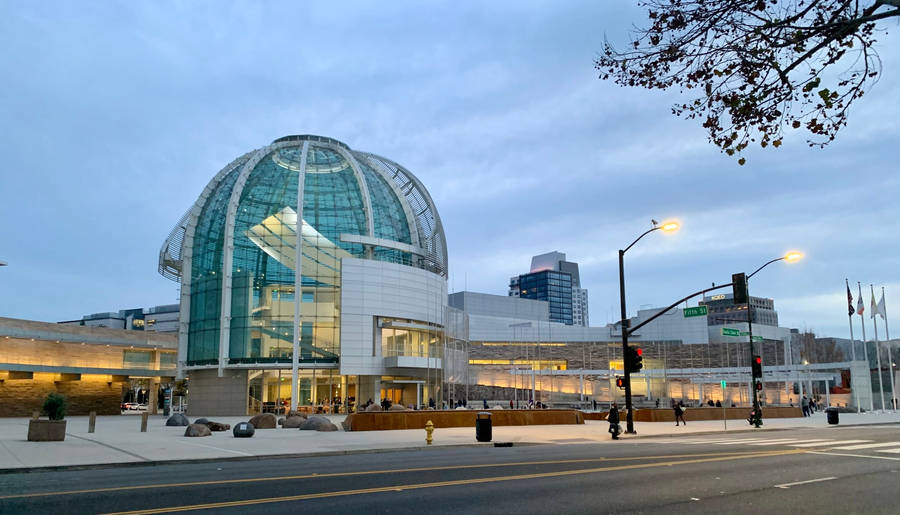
(117,115)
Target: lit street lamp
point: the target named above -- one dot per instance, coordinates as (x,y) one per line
(789,257)
(665,227)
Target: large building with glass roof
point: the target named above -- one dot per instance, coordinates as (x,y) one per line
(311,274)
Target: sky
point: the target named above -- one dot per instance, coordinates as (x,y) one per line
(114,117)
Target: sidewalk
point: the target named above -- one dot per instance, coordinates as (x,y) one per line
(118,439)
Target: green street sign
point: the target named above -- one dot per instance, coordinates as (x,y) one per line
(698,311)
(723,384)
(726,331)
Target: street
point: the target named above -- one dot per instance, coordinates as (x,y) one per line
(840,470)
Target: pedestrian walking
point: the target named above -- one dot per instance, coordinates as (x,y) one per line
(804,406)
(679,414)
(613,419)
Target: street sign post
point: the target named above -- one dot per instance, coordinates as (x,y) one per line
(724,417)
(697,311)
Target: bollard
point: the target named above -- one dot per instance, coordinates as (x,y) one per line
(35,415)
(429,428)
(92,422)
(144,416)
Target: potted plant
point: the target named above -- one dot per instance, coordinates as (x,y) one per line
(53,429)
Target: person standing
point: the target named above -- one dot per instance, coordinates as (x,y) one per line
(613,419)
(804,405)
(679,414)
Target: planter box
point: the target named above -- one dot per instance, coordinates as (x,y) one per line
(46,430)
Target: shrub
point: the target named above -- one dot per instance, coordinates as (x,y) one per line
(55,406)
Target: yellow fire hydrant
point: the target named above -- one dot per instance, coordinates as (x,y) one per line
(429,428)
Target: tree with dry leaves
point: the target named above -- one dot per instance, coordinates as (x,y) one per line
(757,67)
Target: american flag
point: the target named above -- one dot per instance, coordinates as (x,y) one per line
(850,309)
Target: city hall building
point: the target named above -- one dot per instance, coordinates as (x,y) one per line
(311,273)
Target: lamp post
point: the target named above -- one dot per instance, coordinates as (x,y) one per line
(790,257)
(666,227)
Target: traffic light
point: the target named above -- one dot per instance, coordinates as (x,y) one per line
(620,382)
(634,360)
(739,288)
(757,367)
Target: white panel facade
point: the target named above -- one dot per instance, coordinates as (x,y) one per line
(671,326)
(371,289)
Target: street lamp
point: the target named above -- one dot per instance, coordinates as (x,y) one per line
(667,227)
(789,257)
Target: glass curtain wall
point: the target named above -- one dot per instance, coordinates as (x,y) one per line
(206,273)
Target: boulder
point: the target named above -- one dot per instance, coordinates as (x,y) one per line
(397,407)
(293,422)
(217,426)
(177,420)
(281,421)
(318,424)
(264,421)
(201,421)
(373,407)
(243,430)
(197,430)
(346,423)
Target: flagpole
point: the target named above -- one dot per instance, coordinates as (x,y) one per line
(862,323)
(877,348)
(887,336)
(852,345)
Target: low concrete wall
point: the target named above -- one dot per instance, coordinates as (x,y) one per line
(387,420)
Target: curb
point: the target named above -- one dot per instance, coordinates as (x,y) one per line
(156,463)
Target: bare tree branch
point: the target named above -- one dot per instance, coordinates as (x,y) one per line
(761,65)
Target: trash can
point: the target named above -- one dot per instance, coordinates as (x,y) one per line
(483,427)
(832,414)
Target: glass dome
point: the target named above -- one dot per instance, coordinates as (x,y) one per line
(236,250)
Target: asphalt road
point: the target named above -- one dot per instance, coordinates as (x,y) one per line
(833,470)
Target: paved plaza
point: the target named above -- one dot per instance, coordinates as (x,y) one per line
(118,439)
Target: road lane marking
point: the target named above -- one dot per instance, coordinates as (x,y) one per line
(459,482)
(892,451)
(363,473)
(788,485)
(829,442)
(868,446)
(853,455)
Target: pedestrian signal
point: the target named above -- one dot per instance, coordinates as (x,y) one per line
(620,382)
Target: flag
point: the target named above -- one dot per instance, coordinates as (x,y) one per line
(874,306)
(860,307)
(850,309)
(880,308)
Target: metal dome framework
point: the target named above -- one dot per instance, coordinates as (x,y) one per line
(393,205)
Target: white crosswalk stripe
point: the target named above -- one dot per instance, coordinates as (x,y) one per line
(892,451)
(740,442)
(829,442)
(868,446)
(788,442)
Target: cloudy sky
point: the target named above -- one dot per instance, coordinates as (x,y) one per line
(114,117)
